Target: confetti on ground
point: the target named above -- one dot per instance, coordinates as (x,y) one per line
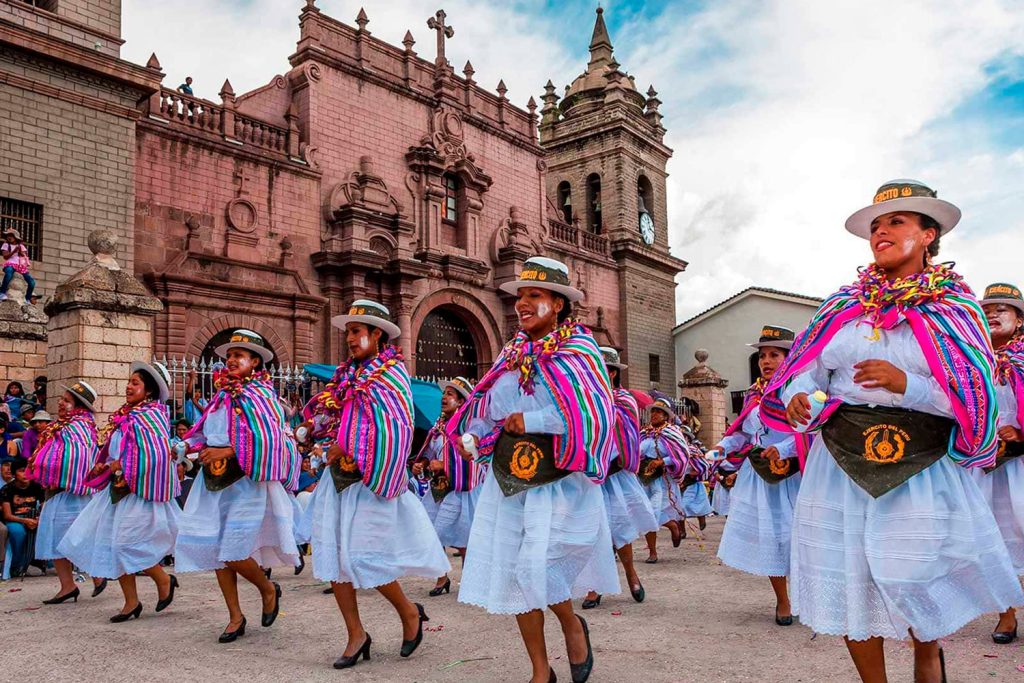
(616,614)
(434,628)
(1020,668)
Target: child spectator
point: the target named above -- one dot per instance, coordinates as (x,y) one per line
(30,439)
(14,397)
(20,502)
(38,395)
(14,255)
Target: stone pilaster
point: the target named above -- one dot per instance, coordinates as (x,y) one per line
(705,386)
(101,319)
(22,337)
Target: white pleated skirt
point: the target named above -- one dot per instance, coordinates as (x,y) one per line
(666,499)
(361,538)
(720,499)
(630,514)
(539,547)
(925,556)
(247,519)
(759,529)
(56,517)
(1003,490)
(427,500)
(109,540)
(695,500)
(454,518)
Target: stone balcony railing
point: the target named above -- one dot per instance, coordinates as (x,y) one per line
(203,115)
(581,239)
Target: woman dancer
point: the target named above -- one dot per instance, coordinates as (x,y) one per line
(757,533)
(66,455)
(543,416)
(133,528)
(664,456)
(368,529)
(725,474)
(891,536)
(453,479)
(629,509)
(694,500)
(239,516)
(1002,484)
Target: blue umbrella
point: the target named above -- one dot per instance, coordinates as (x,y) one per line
(426,396)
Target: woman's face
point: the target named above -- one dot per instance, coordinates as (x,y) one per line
(658,417)
(769,358)
(899,243)
(363,343)
(1003,320)
(14,389)
(451,400)
(180,430)
(538,311)
(241,363)
(65,405)
(135,392)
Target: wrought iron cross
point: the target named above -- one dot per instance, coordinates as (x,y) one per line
(436,23)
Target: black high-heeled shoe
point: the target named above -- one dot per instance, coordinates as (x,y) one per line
(270,617)
(267,572)
(591,604)
(783,621)
(1005,637)
(71,595)
(99,588)
(552,678)
(942,664)
(581,672)
(702,523)
(346,662)
(678,533)
(409,646)
(232,636)
(122,617)
(329,590)
(166,602)
(651,560)
(302,565)
(446,587)
(639,593)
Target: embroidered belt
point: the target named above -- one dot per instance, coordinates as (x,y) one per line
(881,448)
(524,462)
(220,474)
(650,471)
(772,471)
(345,472)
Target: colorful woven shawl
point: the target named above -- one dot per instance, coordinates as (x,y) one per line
(947,323)
(371,404)
(146,451)
(66,454)
(752,400)
(671,446)
(1010,371)
(627,430)
(463,475)
(567,364)
(256,428)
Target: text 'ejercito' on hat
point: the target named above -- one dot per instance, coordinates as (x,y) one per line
(904,195)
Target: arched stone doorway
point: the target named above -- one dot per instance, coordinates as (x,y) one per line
(445,346)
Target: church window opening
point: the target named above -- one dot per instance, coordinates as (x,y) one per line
(565,201)
(27,219)
(655,363)
(48,5)
(594,203)
(450,208)
(644,196)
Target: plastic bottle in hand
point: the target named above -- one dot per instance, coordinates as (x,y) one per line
(469,443)
(180,449)
(301,434)
(817,401)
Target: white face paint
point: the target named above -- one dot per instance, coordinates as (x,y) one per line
(364,343)
(543,309)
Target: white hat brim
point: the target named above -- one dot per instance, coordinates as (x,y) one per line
(87,404)
(945,214)
(617,366)
(777,344)
(263,352)
(392,330)
(161,383)
(571,293)
(462,392)
(1019,305)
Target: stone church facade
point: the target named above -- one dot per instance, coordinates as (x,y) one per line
(370,171)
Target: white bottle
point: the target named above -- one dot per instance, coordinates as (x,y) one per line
(817,401)
(301,434)
(469,443)
(180,449)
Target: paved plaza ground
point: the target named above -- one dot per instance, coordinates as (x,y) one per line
(701,622)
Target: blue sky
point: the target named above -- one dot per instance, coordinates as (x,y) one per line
(784,115)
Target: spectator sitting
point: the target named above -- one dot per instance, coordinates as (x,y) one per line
(12,433)
(30,440)
(39,391)
(20,501)
(15,258)
(6,476)
(28,410)
(183,467)
(14,397)
(186,87)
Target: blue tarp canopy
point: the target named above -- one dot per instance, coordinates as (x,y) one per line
(426,396)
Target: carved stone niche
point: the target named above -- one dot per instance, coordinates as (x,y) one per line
(359,205)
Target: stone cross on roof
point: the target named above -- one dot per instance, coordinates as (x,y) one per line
(436,23)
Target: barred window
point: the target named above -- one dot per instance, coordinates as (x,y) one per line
(48,5)
(27,219)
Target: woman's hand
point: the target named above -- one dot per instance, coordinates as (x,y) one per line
(771,453)
(334,454)
(98,469)
(798,412)
(436,466)
(515,424)
(461,447)
(208,455)
(880,374)
(417,468)
(1011,434)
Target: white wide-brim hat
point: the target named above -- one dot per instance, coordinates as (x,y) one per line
(611,358)
(159,374)
(774,335)
(84,392)
(1003,293)
(369,313)
(462,386)
(544,273)
(248,340)
(904,195)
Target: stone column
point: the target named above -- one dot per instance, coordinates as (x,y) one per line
(101,319)
(22,337)
(707,388)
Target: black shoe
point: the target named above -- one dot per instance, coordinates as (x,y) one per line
(702,523)
(639,594)
(552,678)
(581,672)
(329,590)
(166,602)
(267,571)
(446,587)
(1005,637)
(302,565)
(232,636)
(71,595)
(409,646)
(783,621)
(345,662)
(134,614)
(99,588)
(591,604)
(651,560)
(269,617)
(942,664)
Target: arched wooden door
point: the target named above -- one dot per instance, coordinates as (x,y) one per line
(445,347)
